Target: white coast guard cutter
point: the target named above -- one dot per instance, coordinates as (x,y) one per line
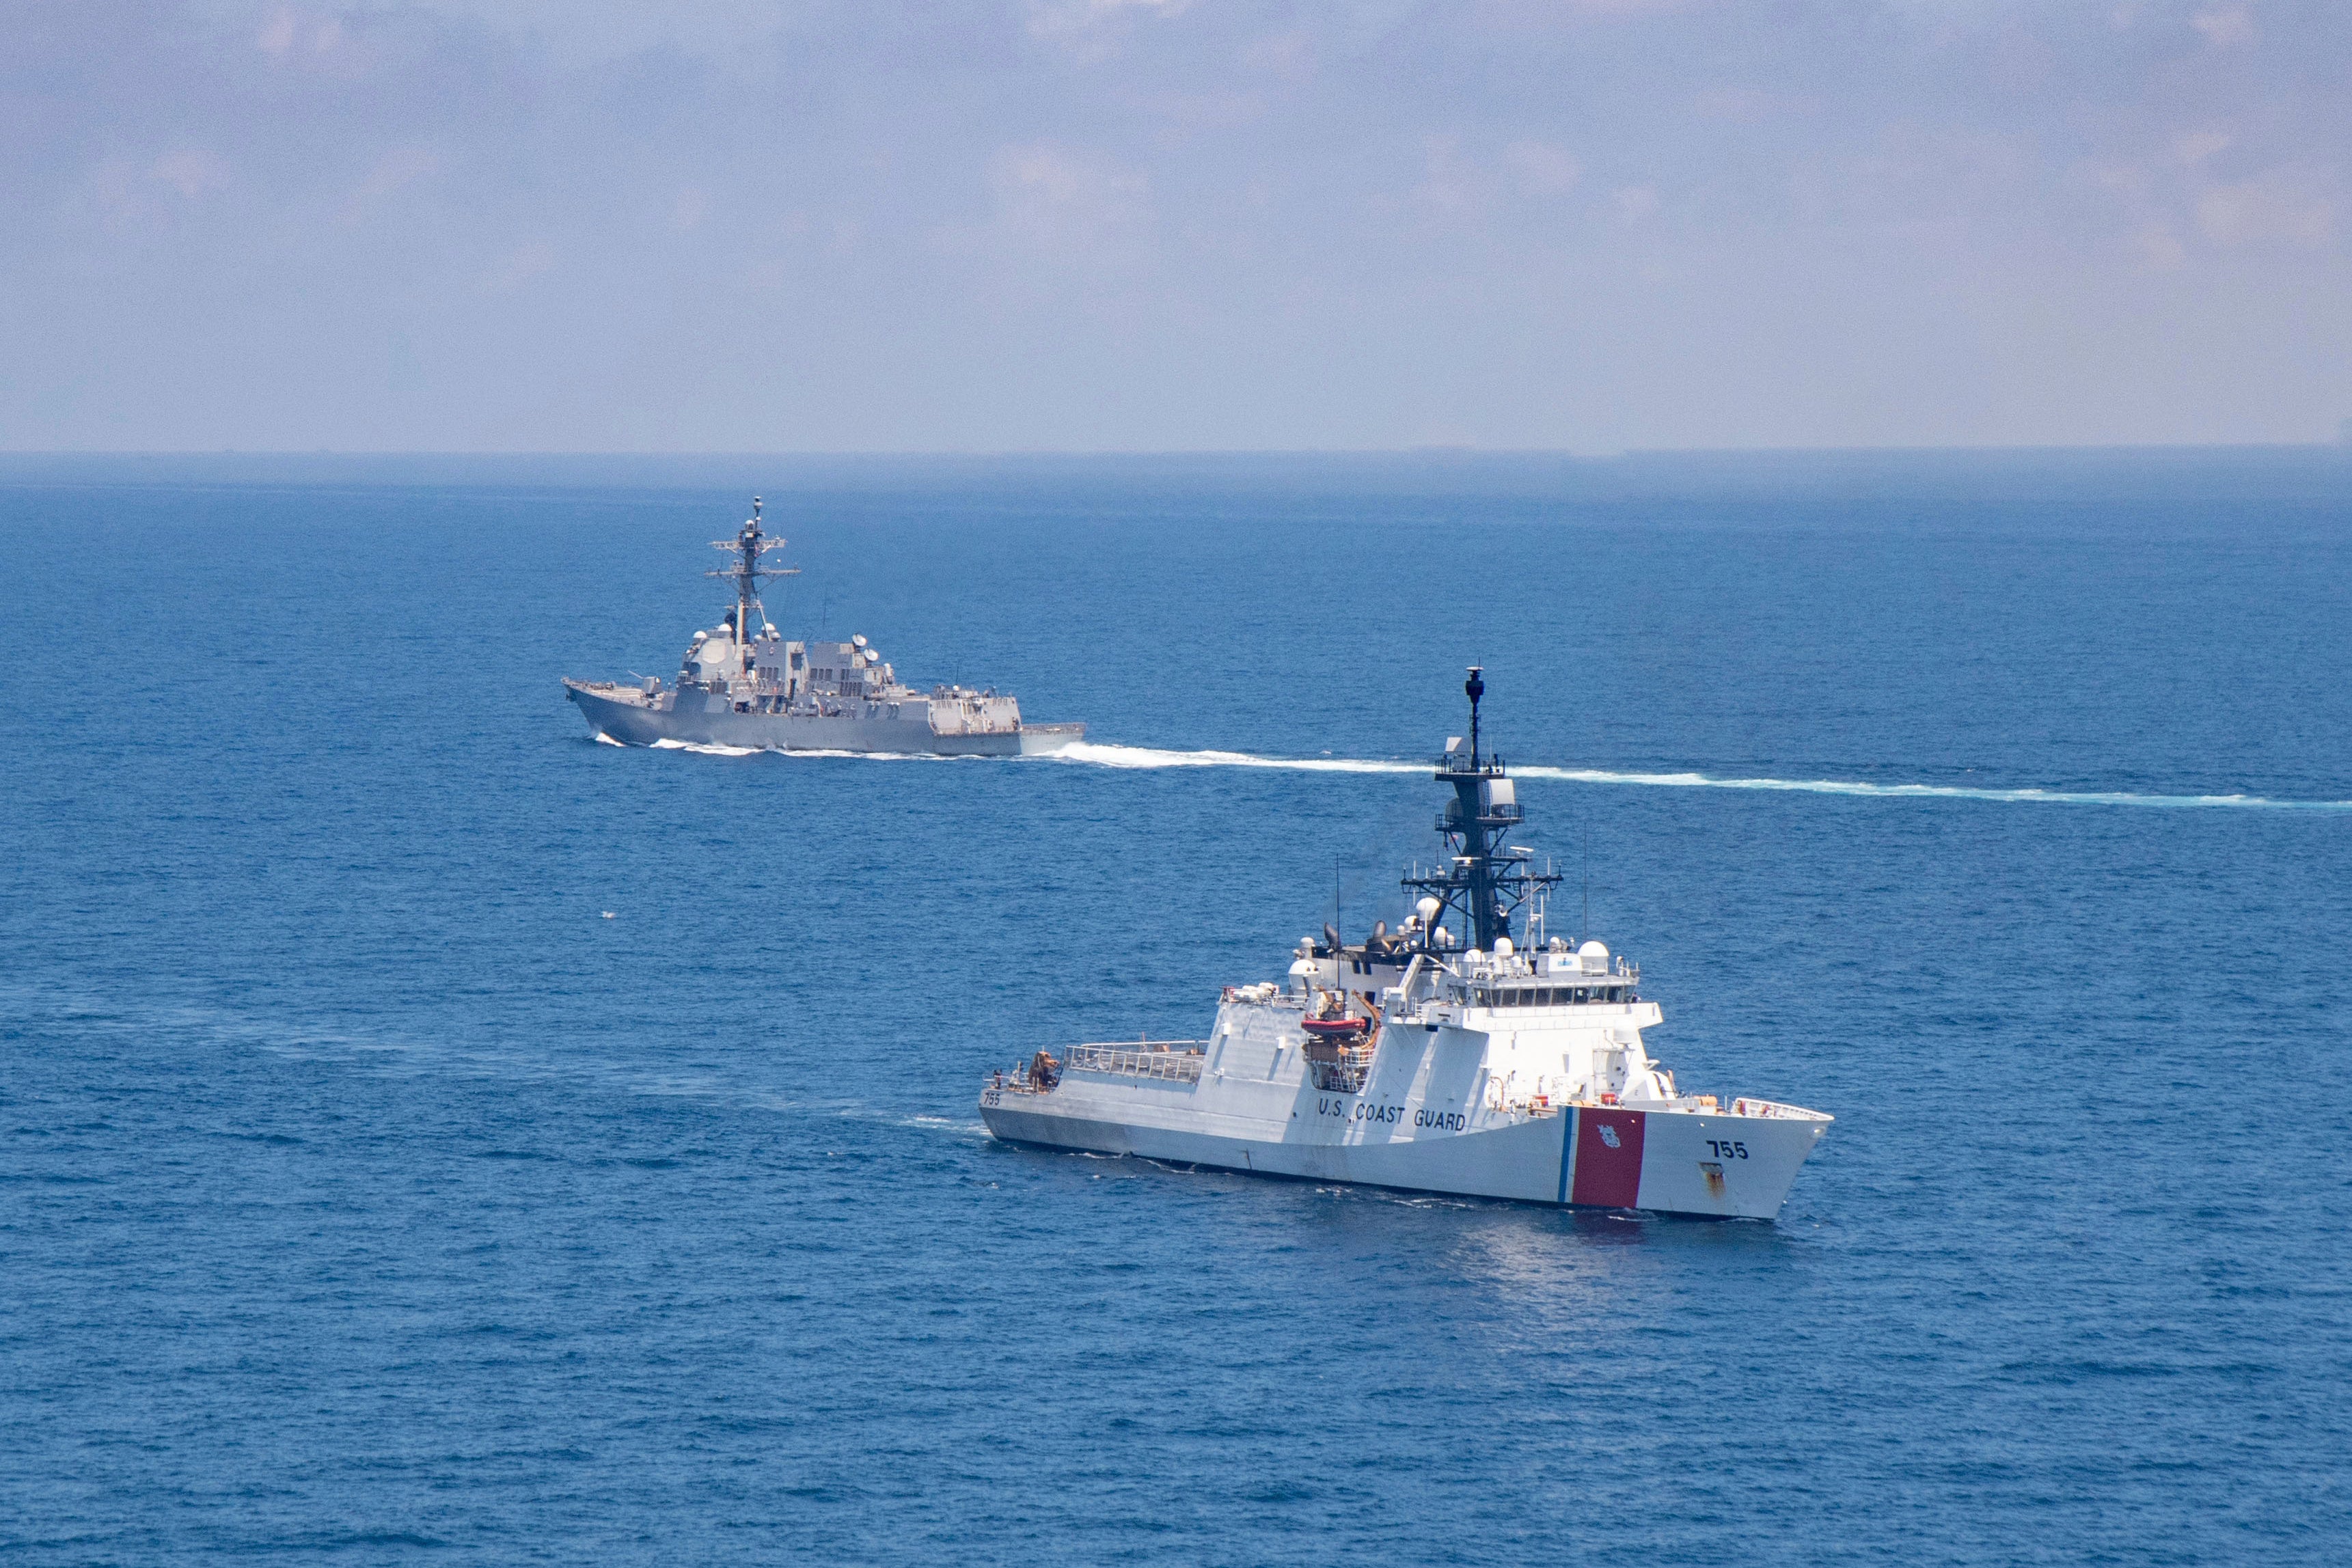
(1444,1058)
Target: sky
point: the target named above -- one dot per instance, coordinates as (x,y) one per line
(1091,226)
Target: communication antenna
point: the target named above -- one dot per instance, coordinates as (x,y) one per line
(1584,931)
(1475,688)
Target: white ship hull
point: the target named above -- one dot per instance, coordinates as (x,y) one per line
(1433,1116)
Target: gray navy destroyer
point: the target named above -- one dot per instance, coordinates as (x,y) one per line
(738,686)
(1470,1052)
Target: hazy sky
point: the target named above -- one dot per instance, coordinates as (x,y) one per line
(1087,224)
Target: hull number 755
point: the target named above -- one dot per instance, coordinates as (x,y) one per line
(1727,1150)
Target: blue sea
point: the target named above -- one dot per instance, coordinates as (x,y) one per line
(370,1195)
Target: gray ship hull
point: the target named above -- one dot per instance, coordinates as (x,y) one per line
(623,715)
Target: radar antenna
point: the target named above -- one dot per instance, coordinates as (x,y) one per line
(750,548)
(1486,881)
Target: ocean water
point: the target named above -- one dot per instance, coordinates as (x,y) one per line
(431,1136)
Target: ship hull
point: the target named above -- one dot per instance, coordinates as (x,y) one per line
(1534,1161)
(1425,1118)
(713,721)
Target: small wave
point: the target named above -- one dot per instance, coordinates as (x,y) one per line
(604,739)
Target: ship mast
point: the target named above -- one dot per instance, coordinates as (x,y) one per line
(749,546)
(1485,880)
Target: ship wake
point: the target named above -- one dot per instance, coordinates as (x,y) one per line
(1104,756)
(1095,754)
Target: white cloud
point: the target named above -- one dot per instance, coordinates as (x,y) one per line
(1062,203)
(1088,28)
(2194,147)
(2160,248)
(1240,183)
(2271,208)
(1285,54)
(1635,202)
(2225,27)
(192,171)
(276,35)
(1542,169)
(1750,106)
(1450,182)
(393,171)
(520,266)
(1067,15)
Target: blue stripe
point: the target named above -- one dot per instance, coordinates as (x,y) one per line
(1567,1132)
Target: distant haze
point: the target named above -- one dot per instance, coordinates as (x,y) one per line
(569,225)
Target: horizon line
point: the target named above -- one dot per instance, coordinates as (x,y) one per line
(1561,453)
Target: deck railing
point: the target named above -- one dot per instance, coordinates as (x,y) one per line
(1177,1061)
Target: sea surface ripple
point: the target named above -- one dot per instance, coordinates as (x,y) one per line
(434,1136)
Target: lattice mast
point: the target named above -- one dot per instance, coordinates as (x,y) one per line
(1484,880)
(750,548)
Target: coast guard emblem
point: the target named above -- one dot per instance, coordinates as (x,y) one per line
(1608,1134)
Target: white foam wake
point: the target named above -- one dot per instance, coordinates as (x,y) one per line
(1096,755)
(1147,756)
(701,750)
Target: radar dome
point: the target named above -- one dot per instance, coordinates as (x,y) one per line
(1502,946)
(1427,909)
(1594,949)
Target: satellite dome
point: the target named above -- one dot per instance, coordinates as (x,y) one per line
(1427,909)
(1594,949)
(1502,946)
